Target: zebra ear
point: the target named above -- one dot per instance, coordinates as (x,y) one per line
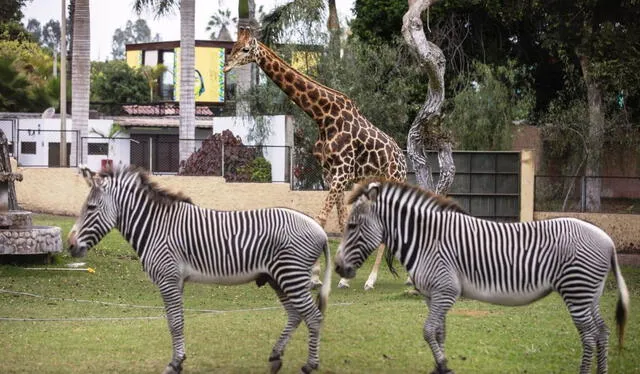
(372,190)
(88,174)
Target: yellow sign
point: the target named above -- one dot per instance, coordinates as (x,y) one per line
(208,75)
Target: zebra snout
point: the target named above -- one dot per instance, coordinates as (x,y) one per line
(75,249)
(346,271)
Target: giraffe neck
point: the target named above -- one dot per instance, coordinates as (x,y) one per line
(315,99)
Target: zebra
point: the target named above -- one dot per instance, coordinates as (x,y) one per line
(178,241)
(449,254)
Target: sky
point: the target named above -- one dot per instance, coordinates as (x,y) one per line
(109,15)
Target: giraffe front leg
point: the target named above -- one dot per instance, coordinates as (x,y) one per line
(334,198)
(371,281)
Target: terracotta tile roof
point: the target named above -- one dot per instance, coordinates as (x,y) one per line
(162,110)
(142,121)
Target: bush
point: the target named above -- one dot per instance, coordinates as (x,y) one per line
(484,111)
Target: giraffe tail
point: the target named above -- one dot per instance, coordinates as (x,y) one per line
(323,296)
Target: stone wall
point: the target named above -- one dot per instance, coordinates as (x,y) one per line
(63,191)
(623,228)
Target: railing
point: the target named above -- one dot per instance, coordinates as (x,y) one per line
(571,194)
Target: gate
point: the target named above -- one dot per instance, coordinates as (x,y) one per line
(486,184)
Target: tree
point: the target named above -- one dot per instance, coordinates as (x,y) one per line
(599,43)
(27,84)
(133,32)
(187,67)
(51,35)
(10,16)
(33,27)
(219,24)
(80,77)
(426,131)
(114,83)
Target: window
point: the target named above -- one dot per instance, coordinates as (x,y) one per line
(28,148)
(99,149)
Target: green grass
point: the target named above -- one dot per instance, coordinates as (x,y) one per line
(379,332)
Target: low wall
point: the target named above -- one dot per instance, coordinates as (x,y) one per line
(63,191)
(623,228)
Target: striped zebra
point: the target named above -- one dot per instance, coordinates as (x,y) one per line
(449,254)
(178,241)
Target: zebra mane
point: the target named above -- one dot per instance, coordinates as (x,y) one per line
(444,204)
(153,190)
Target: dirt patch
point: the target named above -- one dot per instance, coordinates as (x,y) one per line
(470,313)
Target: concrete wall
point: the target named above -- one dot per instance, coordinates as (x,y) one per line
(63,191)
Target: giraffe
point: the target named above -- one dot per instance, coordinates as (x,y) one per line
(349,148)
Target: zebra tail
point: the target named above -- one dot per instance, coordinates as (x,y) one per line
(323,296)
(622,309)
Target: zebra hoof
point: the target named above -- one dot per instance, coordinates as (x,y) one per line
(408,282)
(343,283)
(368,286)
(170,369)
(275,366)
(308,368)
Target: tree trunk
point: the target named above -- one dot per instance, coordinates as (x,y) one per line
(594,138)
(333,25)
(245,74)
(426,130)
(187,82)
(80,79)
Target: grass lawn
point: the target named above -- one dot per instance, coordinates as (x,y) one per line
(364,332)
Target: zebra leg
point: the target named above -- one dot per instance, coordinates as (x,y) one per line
(171,291)
(313,319)
(293,320)
(588,330)
(302,301)
(434,329)
(602,340)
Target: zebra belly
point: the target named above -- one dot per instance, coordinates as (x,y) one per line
(514,298)
(193,275)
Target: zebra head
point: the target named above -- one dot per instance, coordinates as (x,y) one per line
(363,232)
(97,217)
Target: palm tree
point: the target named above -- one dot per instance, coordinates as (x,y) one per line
(80,61)
(186,95)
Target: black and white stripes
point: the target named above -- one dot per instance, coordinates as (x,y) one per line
(451,254)
(178,241)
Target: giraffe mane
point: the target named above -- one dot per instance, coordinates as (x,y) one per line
(153,189)
(445,203)
(320,85)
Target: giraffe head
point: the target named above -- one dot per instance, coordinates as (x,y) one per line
(244,51)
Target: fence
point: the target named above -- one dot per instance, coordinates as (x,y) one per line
(41,148)
(570,194)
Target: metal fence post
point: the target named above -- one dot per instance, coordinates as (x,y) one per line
(583,194)
(150,155)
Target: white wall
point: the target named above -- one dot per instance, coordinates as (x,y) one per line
(277,154)
(119,148)
(45,131)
